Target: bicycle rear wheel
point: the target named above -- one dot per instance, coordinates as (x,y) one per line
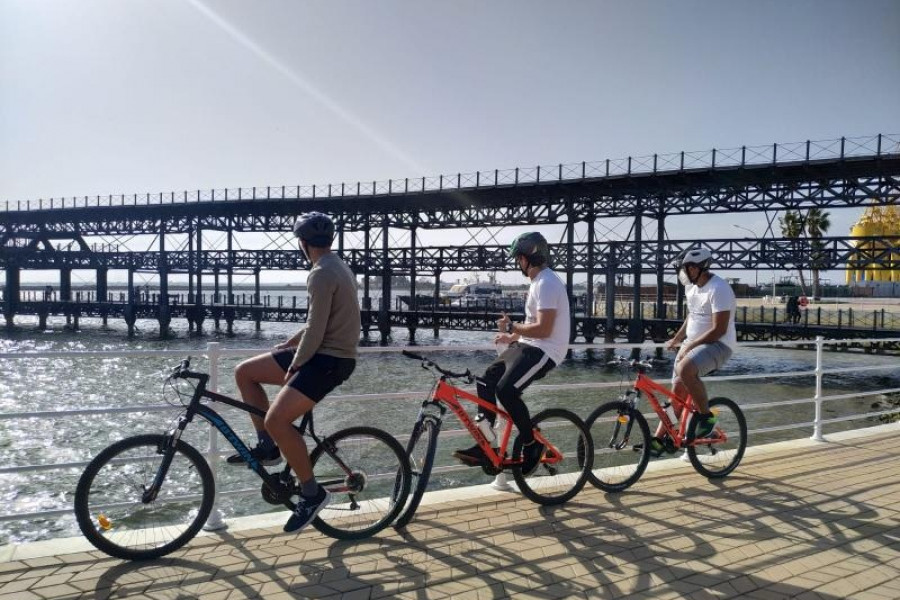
(368,475)
(114,516)
(420,450)
(558,477)
(617,429)
(715,460)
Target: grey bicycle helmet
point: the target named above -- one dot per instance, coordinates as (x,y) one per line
(315,228)
(693,256)
(533,246)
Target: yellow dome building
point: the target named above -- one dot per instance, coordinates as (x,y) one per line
(876,221)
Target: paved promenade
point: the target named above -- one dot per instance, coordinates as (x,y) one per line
(798,519)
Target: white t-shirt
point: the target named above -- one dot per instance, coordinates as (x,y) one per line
(547,292)
(702,302)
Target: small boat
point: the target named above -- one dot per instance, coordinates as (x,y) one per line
(478,289)
(422,300)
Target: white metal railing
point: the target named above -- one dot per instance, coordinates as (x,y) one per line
(214,353)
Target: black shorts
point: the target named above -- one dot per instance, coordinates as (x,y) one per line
(319,375)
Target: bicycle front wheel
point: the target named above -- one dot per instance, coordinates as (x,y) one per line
(114,513)
(718,459)
(621,446)
(420,450)
(367,473)
(561,473)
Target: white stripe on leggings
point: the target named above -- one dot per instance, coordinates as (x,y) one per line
(531,372)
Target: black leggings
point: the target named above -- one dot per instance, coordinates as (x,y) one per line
(507,377)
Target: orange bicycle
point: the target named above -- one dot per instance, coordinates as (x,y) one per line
(622,437)
(561,473)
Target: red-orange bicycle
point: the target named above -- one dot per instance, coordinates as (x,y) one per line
(561,473)
(622,437)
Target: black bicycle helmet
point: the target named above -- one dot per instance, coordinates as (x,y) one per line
(533,246)
(315,228)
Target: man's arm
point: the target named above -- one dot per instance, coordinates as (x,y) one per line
(320,288)
(541,328)
(678,337)
(714,334)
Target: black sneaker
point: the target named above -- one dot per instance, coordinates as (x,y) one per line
(705,425)
(266,457)
(307,509)
(531,457)
(473,456)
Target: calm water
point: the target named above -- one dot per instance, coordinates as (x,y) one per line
(74,382)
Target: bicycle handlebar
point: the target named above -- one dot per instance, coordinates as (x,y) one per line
(430,364)
(183,371)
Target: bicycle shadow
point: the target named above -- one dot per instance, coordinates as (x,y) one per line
(671,535)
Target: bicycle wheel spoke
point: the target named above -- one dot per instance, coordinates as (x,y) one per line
(719,458)
(109,500)
(617,431)
(564,466)
(367,475)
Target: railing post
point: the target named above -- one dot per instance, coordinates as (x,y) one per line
(215,521)
(501,484)
(817,431)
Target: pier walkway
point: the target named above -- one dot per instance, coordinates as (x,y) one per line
(800,519)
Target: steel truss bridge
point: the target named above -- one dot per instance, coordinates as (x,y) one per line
(56,233)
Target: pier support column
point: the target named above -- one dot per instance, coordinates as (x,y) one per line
(367,299)
(164,314)
(636,325)
(228,315)
(11,295)
(102,293)
(130,308)
(589,309)
(412,322)
(384,316)
(660,335)
(570,272)
(609,336)
(257,299)
(436,302)
(65,292)
(229,267)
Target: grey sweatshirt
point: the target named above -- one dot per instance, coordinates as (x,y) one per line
(333,323)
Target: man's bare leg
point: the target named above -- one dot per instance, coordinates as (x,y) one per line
(250,376)
(290,405)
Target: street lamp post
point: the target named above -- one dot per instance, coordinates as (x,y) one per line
(756,270)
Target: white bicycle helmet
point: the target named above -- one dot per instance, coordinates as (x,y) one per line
(693,256)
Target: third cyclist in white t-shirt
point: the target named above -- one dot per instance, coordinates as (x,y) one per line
(705,340)
(535,347)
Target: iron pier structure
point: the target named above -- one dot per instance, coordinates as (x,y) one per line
(392,228)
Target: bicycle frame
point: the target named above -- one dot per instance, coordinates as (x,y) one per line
(448,395)
(649,387)
(195,408)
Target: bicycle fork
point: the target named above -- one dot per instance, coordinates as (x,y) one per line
(624,421)
(167,449)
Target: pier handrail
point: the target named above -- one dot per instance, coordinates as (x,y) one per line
(805,152)
(214,352)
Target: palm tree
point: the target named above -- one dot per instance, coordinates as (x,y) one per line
(817,224)
(792,226)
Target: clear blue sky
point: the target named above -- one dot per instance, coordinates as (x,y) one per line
(100,97)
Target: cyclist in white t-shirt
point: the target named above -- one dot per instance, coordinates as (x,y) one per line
(706,339)
(535,347)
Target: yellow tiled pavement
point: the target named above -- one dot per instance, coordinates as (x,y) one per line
(806,520)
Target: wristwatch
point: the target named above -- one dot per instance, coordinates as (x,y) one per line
(509,327)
